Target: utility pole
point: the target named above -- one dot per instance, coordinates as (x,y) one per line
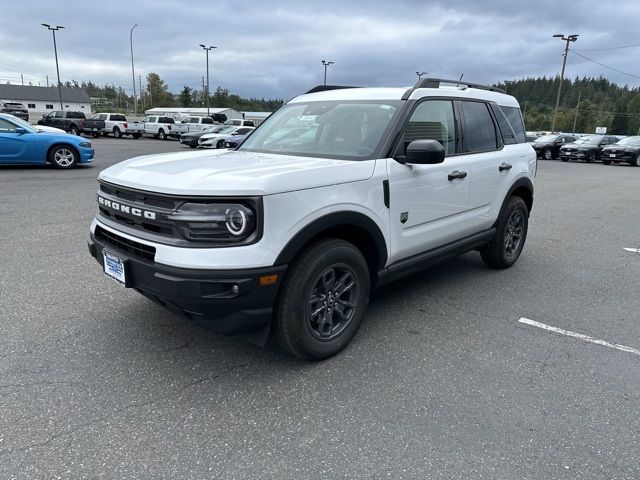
(568,39)
(575,119)
(140,90)
(133,74)
(55,51)
(204,92)
(326,64)
(22,79)
(525,108)
(206,49)
(47,80)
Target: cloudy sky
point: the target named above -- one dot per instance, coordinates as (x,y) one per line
(274,48)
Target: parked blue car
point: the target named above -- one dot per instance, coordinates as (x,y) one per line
(22,143)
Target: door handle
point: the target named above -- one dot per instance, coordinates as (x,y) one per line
(457,175)
(505,166)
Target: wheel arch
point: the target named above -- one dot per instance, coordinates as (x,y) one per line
(523,188)
(351,226)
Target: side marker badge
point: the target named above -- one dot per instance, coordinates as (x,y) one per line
(404,216)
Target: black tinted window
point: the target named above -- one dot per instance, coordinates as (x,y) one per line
(514,116)
(479,132)
(118,118)
(207,120)
(166,120)
(431,120)
(508,135)
(75,115)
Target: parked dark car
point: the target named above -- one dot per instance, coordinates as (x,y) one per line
(587,148)
(548,146)
(191,138)
(16,109)
(626,150)
(71,122)
(234,141)
(94,126)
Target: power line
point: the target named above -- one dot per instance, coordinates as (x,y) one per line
(609,48)
(605,66)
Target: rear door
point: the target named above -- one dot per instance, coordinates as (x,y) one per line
(16,147)
(428,204)
(151,125)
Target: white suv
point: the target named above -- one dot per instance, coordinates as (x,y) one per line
(339,191)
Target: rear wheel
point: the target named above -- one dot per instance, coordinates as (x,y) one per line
(162,135)
(117,133)
(95,135)
(511,233)
(220,144)
(63,157)
(548,155)
(591,157)
(136,136)
(637,162)
(323,300)
(74,130)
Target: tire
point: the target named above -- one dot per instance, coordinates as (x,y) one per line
(220,144)
(136,135)
(74,130)
(606,162)
(504,250)
(162,135)
(117,133)
(591,157)
(548,154)
(193,146)
(637,162)
(315,277)
(63,157)
(95,135)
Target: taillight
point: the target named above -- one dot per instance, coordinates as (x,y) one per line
(169,127)
(125,125)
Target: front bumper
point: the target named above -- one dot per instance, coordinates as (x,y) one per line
(226,301)
(622,157)
(573,155)
(86,154)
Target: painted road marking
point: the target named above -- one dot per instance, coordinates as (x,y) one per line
(633,250)
(580,336)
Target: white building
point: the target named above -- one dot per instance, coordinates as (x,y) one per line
(256,117)
(41,100)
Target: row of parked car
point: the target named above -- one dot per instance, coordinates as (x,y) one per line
(589,148)
(117,125)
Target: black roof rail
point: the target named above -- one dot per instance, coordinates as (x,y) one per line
(435,83)
(324,88)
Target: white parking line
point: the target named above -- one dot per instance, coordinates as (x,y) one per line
(633,250)
(580,336)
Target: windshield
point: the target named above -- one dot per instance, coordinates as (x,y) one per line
(349,130)
(215,129)
(633,141)
(227,129)
(588,140)
(24,124)
(547,138)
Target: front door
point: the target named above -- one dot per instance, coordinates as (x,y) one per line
(16,147)
(428,203)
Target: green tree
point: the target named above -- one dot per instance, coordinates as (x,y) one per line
(185,96)
(157,90)
(633,122)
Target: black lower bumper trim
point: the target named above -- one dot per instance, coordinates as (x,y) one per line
(226,301)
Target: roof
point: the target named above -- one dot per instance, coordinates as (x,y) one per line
(185,110)
(43,94)
(256,114)
(398,93)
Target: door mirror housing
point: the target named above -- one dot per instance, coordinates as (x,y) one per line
(20,130)
(423,152)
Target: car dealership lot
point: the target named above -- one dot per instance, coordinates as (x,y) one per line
(442,381)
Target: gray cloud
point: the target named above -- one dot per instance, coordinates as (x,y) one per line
(273,49)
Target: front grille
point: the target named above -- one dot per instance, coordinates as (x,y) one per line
(130,246)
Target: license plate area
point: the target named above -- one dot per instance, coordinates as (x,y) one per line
(612,155)
(115,267)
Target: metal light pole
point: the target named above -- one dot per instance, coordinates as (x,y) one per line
(420,74)
(575,119)
(206,49)
(326,64)
(568,39)
(133,74)
(55,51)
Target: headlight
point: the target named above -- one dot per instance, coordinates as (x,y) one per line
(215,222)
(85,144)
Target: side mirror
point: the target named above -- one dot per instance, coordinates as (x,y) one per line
(20,130)
(423,152)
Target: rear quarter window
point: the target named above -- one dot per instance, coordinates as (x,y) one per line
(479,131)
(514,115)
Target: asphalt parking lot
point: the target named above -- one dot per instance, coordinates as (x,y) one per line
(442,381)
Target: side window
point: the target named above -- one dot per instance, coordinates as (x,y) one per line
(431,120)
(207,120)
(145,119)
(6,127)
(508,135)
(479,132)
(58,115)
(514,115)
(152,120)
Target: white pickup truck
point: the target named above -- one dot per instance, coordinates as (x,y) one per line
(191,124)
(154,125)
(114,124)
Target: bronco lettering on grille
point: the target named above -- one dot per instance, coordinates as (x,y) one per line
(136,212)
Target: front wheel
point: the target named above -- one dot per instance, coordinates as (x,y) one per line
(95,135)
(136,135)
(162,135)
(323,300)
(548,154)
(511,233)
(220,144)
(636,163)
(63,157)
(591,157)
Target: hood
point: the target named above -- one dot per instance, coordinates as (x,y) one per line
(233,173)
(44,128)
(622,148)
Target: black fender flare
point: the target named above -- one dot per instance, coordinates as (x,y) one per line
(521,183)
(327,222)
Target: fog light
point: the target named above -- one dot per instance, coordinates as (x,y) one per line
(268,280)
